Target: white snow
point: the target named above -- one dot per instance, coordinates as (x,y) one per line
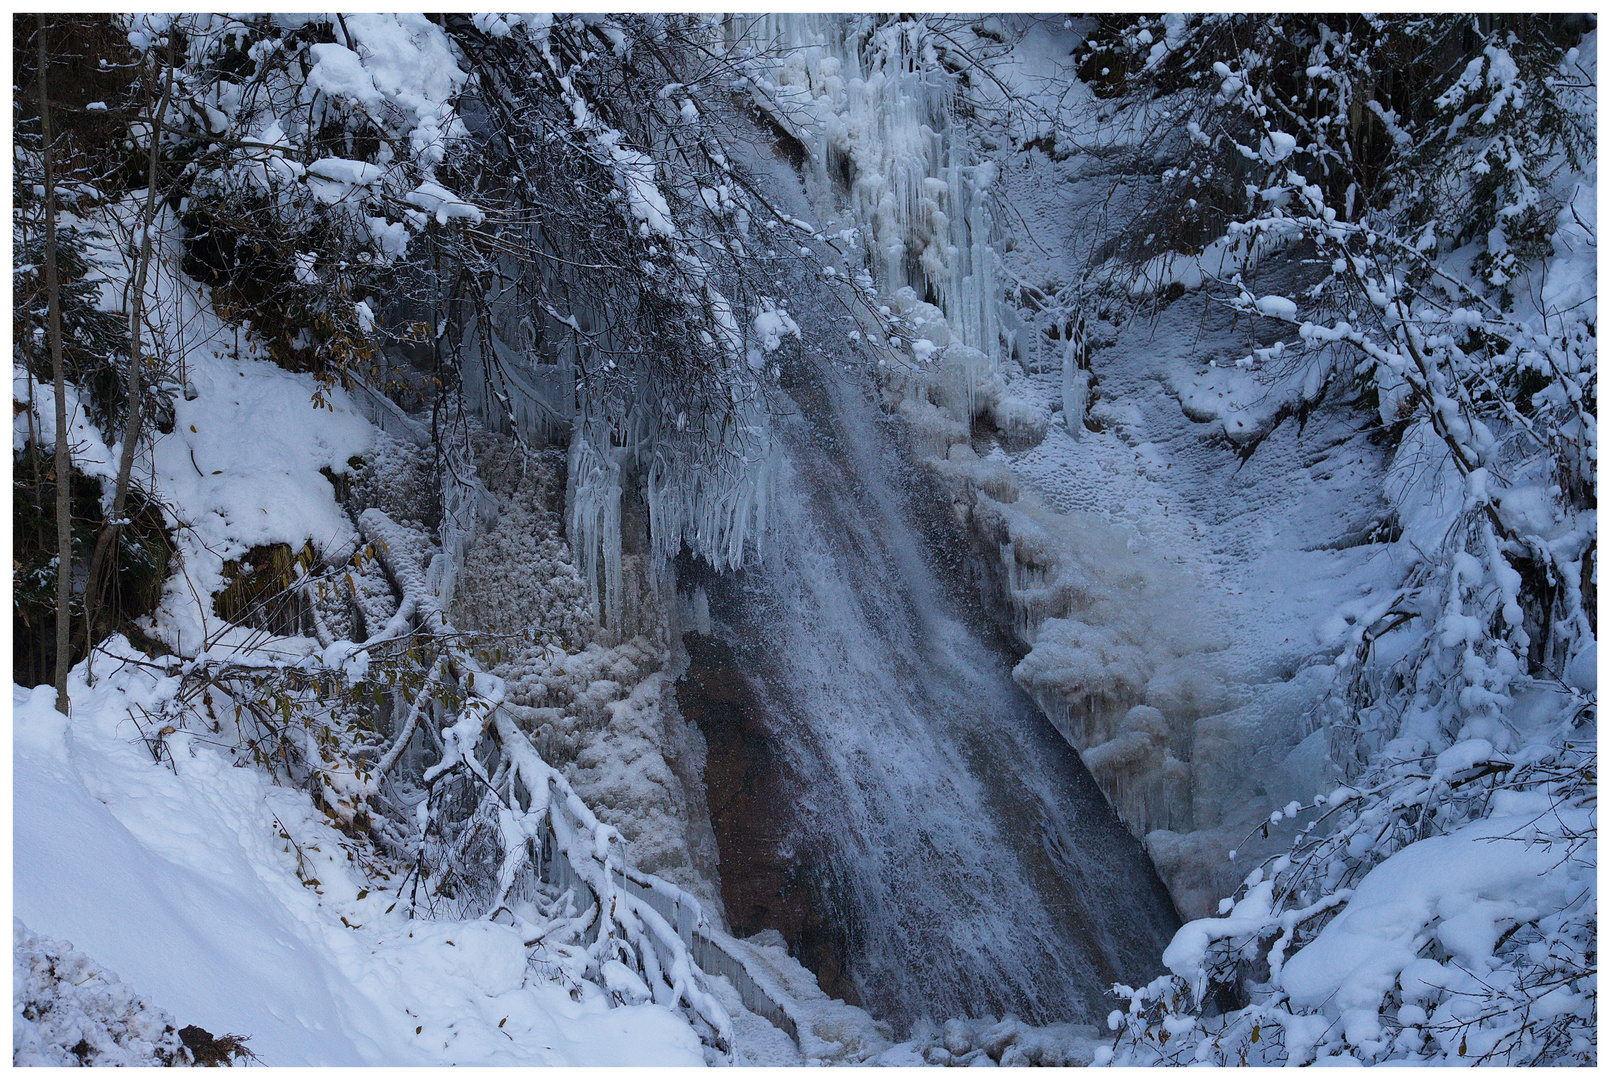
(241,469)
(1462,890)
(68,1010)
(91,455)
(334,180)
(442,204)
(339,72)
(1278,307)
(772,324)
(177,876)
(407,59)
(645,200)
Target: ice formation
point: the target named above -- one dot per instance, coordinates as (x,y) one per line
(704,477)
(595,707)
(1104,626)
(874,107)
(876,111)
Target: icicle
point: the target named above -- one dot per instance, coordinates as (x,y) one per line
(923,211)
(468,508)
(593,499)
(715,501)
(1075,389)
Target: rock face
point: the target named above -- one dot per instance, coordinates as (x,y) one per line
(1136,697)
(885,795)
(765,883)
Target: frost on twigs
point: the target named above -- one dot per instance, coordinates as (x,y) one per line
(627,315)
(493,812)
(409,744)
(1373,942)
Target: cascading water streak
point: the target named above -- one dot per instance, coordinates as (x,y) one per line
(971,866)
(960,851)
(951,844)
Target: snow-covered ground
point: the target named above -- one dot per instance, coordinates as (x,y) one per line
(1184,568)
(214,893)
(68,1010)
(231,903)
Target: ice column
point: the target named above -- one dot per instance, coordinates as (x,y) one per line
(873,104)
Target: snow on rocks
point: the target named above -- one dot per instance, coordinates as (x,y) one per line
(91,456)
(831,1032)
(1105,627)
(985,1042)
(522,575)
(1105,535)
(68,1010)
(604,714)
(642,770)
(1109,625)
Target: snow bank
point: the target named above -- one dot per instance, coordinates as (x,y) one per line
(242,465)
(1456,893)
(91,455)
(986,1042)
(68,1010)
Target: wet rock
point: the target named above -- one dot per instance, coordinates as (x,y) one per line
(766,882)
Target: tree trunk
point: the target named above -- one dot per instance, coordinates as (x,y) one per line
(106,543)
(64,522)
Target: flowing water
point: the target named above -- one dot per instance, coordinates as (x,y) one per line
(952,845)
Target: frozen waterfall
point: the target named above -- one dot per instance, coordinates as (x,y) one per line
(952,842)
(967,859)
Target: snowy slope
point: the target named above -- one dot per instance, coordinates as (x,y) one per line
(228,901)
(214,893)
